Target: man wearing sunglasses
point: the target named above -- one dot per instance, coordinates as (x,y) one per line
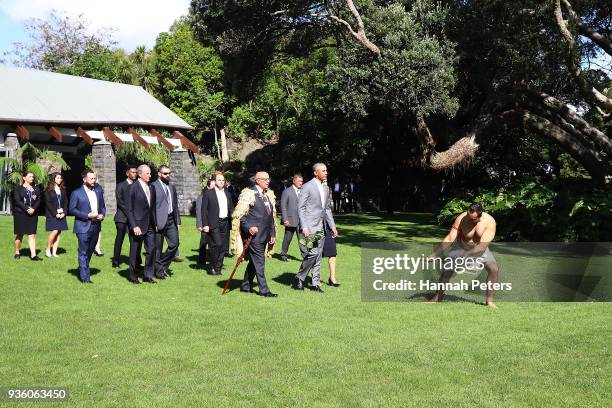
(168,221)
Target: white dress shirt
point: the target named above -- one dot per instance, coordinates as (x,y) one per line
(145,188)
(222,199)
(93,199)
(320,186)
(297,190)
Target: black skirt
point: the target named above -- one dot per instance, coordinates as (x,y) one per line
(53,224)
(329,246)
(24,224)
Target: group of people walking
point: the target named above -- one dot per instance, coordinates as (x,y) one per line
(148,213)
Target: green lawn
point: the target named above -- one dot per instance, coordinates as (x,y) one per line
(180,343)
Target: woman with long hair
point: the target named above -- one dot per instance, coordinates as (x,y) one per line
(26,199)
(56,208)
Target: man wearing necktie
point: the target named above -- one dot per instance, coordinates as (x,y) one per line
(289,214)
(141,220)
(258,222)
(167,221)
(314,212)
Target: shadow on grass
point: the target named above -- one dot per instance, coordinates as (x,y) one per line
(234,284)
(75,272)
(278,257)
(426,296)
(376,227)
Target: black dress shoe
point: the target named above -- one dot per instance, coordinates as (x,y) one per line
(177,259)
(297,284)
(149,280)
(115,264)
(316,289)
(17,256)
(98,253)
(160,277)
(330,283)
(247,290)
(284,258)
(268,294)
(87,281)
(135,281)
(35,258)
(212,271)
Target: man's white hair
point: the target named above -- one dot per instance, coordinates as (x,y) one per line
(141,168)
(316,166)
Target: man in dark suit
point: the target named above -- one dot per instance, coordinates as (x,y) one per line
(289,214)
(168,221)
(141,220)
(87,206)
(217,207)
(200,227)
(121,221)
(258,222)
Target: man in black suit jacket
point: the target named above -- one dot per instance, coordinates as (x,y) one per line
(167,221)
(121,221)
(259,222)
(140,205)
(217,207)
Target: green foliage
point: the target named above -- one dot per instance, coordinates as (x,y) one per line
(30,158)
(135,153)
(189,77)
(205,170)
(530,210)
(311,240)
(414,75)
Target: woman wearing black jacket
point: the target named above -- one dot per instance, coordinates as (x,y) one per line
(26,199)
(56,208)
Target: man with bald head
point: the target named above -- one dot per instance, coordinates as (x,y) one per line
(255,209)
(314,214)
(140,207)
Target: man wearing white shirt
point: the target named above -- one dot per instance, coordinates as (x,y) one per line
(87,206)
(314,213)
(217,208)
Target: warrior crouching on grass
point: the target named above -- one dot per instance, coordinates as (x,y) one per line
(469,237)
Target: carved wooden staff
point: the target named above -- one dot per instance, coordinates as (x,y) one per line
(240,259)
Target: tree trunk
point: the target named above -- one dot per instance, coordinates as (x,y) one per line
(224,153)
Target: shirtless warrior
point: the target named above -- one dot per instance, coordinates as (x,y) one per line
(469,237)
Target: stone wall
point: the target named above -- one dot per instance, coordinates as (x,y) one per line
(186,180)
(104,164)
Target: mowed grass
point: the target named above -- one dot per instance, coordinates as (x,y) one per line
(180,343)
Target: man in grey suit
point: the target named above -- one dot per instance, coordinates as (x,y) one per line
(313,213)
(289,214)
(167,221)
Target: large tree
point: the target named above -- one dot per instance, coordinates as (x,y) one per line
(513,65)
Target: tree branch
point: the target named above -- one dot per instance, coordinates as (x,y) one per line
(588,32)
(360,33)
(599,98)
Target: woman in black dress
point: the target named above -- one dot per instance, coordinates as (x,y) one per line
(329,248)
(56,208)
(26,199)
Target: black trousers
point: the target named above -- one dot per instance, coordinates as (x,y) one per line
(148,238)
(170,234)
(337,199)
(218,243)
(202,249)
(256,268)
(122,230)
